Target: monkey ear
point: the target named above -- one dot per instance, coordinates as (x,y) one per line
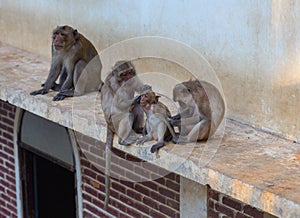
(157,98)
(75,34)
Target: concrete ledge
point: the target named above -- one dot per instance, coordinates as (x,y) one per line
(250,165)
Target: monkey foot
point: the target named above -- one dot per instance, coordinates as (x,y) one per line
(38,92)
(129,141)
(58,97)
(177,140)
(157,146)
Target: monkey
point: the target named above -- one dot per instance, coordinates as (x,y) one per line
(123,116)
(75,61)
(157,122)
(201,110)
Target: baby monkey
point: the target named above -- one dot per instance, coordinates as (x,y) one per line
(157,125)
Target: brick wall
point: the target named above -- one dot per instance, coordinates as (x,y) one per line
(8,205)
(223,206)
(138,189)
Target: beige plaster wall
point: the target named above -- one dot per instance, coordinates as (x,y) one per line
(252,45)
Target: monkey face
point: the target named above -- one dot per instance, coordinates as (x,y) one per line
(182,95)
(149,98)
(63,37)
(124,70)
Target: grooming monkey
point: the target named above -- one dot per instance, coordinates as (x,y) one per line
(123,117)
(201,110)
(157,125)
(76,63)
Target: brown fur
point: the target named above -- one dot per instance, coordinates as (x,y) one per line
(76,63)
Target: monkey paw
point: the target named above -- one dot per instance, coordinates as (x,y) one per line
(177,140)
(157,146)
(58,97)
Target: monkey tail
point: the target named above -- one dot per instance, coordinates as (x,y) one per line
(108,147)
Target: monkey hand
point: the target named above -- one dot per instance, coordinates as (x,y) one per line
(136,100)
(39,92)
(174,121)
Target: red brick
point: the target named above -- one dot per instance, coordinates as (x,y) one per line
(119,187)
(253,212)
(158,197)
(142,189)
(214,195)
(232,203)
(90,191)
(126,200)
(173,204)
(97,202)
(8,107)
(113,212)
(3,112)
(9,151)
(212,214)
(240,215)
(133,213)
(86,197)
(85,163)
(115,194)
(133,177)
(142,172)
(165,210)
(156,214)
(173,185)
(126,165)
(7,136)
(5,212)
(152,185)
(152,204)
(88,140)
(224,210)
(97,151)
(167,193)
(134,194)
(127,183)
(91,208)
(161,181)
(142,207)
(9,165)
(7,121)
(88,172)
(118,170)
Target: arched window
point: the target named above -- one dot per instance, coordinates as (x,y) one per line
(47,168)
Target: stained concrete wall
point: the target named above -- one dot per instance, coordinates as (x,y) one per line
(253,45)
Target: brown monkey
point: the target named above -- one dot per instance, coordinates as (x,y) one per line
(157,124)
(201,110)
(120,112)
(75,61)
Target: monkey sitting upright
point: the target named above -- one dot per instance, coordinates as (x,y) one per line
(121,114)
(157,124)
(201,110)
(76,63)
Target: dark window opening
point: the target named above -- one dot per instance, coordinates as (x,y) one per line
(47,170)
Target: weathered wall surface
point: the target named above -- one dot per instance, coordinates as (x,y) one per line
(253,45)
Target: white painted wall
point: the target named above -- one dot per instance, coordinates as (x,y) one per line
(253,45)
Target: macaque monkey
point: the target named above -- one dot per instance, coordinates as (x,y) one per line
(123,117)
(201,110)
(157,123)
(76,63)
